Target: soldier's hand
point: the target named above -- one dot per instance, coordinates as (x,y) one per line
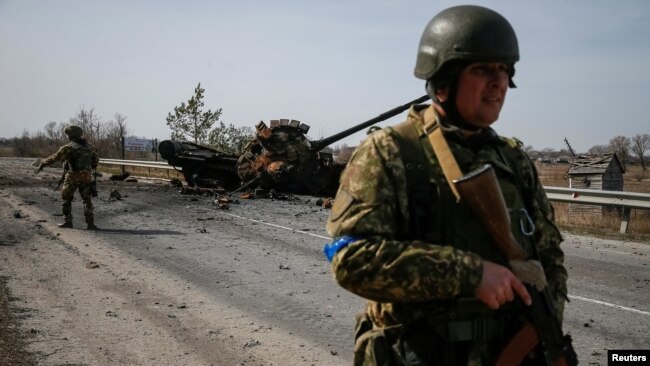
(499,285)
(39,169)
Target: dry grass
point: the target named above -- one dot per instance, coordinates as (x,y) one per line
(7,151)
(606,225)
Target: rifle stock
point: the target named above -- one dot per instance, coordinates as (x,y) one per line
(480,190)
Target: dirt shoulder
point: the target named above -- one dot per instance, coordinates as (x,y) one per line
(72,297)
(13,340)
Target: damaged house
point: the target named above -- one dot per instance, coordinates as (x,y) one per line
(602,172)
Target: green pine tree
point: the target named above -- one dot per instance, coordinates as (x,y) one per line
(189,122)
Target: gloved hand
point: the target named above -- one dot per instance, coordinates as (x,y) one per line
(39,169)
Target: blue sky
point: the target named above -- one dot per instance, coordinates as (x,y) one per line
(584,72)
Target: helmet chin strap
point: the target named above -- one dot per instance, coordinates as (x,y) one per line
(449,105)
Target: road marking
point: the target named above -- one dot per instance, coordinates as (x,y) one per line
(613,251)
(610,305)
(327,238)
(278,226)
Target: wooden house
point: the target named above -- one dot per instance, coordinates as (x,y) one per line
(602,172)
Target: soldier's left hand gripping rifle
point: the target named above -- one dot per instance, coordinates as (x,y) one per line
(543,331)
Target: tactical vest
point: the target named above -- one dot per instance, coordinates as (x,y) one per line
(80,157)
(436,217)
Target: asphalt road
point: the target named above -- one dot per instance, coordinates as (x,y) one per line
(264,258)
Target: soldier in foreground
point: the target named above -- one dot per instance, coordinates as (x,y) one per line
(80,160)
(440,290)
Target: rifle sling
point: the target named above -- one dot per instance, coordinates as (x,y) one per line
(448,163)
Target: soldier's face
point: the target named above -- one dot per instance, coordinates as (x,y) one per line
(482,88)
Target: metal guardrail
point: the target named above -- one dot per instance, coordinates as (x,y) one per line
(626,200)
(138,163)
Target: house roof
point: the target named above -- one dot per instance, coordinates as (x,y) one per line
(589,164)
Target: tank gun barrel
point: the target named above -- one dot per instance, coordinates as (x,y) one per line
(320,144)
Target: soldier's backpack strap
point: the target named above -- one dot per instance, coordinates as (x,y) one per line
(417,179)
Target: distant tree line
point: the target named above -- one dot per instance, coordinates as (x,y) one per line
(188,122)
(106,136)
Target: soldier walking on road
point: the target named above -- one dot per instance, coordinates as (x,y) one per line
(439,289)
(80,160)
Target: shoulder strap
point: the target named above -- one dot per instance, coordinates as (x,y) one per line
(448,163)
(417,178)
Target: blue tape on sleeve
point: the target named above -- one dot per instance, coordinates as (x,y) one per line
(331,249)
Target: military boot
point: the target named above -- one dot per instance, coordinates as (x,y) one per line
(92,226)
(66,225)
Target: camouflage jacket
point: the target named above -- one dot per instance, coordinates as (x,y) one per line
(406,277)
(80,156)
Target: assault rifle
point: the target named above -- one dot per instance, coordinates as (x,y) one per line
(543,331)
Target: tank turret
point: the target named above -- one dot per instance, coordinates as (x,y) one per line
(282,157)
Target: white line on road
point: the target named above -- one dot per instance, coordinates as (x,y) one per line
(610,305)
(327,238)
(613,251)
(281,227)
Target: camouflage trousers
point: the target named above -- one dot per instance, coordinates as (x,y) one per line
(73,182)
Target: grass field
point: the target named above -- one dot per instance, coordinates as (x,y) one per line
(7,151)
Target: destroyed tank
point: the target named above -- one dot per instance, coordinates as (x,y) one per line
(282,157)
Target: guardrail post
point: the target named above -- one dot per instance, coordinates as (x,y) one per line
(625,220)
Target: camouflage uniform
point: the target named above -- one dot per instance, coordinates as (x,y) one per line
(81,158)
(421,277)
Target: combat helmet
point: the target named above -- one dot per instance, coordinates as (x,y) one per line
(74,132)
(465,33)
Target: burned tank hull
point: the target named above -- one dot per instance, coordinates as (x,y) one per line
(201,166)
(282,157)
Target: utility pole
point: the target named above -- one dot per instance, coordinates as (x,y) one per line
(573,153)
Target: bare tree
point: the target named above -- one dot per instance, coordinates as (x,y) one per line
(549,152)
(621,146)
(54,133)
(598,150)
(641,144)
(89,122)
(344,153)
(115,130)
